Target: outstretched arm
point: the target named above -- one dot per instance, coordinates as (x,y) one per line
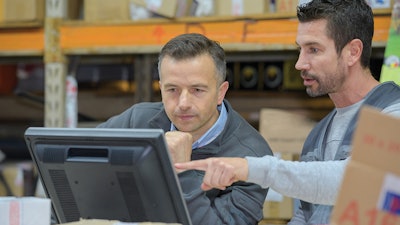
(315,182)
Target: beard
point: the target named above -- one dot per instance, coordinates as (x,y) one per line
(324,84)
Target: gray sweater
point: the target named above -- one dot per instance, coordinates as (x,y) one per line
(240,203)
(315,182)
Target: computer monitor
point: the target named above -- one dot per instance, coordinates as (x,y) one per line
(114,174)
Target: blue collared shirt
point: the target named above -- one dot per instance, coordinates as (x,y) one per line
(213,132)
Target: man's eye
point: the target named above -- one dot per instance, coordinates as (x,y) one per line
(171,89)
(314,50)
(198,90)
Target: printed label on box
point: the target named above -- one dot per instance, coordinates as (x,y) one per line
(237,7)
(389,199)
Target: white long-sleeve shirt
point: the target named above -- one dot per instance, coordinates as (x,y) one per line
(316,182)
(307,181)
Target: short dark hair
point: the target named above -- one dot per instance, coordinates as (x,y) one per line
(186,46)
(346,20)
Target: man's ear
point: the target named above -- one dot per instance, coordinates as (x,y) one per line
(353,51)
(223,88)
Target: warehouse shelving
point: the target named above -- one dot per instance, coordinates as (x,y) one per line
(235,34)
(55,40)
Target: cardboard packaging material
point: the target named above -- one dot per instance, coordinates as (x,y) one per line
(17,179)
(161,7)
(276,205)
(21,10)
(241,7)
(285,131)
(286,6)
(370,192)
(25,211)
(105,10)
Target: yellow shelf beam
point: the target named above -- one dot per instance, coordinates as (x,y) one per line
(22,42)
(240,35)
(148,37)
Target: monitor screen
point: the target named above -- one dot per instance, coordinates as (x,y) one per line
(114,174)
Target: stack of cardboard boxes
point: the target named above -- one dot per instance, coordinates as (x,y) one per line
(101,10)
(21,10)
(26,11)
(285,132)
(127,10)
(171,9)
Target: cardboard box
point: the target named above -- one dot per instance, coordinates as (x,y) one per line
(17,179)
(276,205)
(286,6)
(22,10)
(370,192)
(68,10)
(241,7)
(185,8)
(285,131)
(25,211)
(166,8)
(105,10)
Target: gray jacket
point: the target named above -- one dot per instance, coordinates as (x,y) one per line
(384,95)
(240,203)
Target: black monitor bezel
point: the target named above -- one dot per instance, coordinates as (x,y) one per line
(35,136)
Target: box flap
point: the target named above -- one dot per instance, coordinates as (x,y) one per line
(370,192)
(376,140)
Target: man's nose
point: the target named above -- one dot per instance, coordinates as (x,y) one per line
(184,99)
(302,63)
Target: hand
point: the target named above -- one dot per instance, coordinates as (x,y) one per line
(219,172)
(179,146)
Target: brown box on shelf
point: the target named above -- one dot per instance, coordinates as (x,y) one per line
(277,206)
(25,210)
(105,10)
(370,191)
(17,179)
(22,10)
(241,7)
(285,131)
(167,8)
(286,6)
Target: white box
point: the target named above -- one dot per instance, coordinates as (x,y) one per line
(25,211)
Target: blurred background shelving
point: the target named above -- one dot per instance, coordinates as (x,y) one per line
(111,48)
(113,56)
